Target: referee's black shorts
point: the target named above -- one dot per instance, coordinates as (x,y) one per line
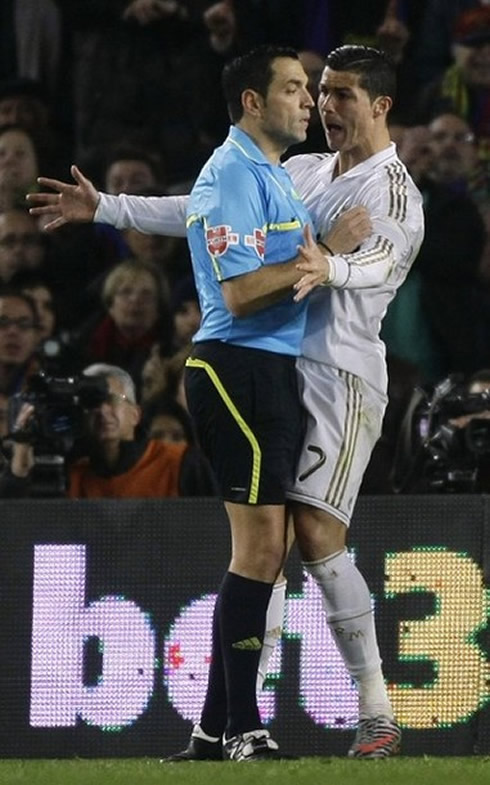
(248,416)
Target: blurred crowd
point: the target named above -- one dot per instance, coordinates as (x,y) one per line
(130,91)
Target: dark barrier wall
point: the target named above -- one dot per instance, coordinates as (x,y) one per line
(105,618)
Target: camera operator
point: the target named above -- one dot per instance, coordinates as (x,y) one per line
(475,427)
(444,441)
(118,462)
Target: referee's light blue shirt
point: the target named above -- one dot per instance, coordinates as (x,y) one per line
(243,212)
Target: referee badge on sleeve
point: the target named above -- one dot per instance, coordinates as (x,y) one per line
(257,241)
(219,238)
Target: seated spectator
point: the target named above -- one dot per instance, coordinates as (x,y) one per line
(154,374)
(37,288)
(25,102)
(186,312)
(427,324)
(167,420)
(22,245)
(18,340)
(464,87)
(164,376)
(137,315)
(19,166)
(119,462)
(31,40)
(433,50)
(455,162)
(129,170)
(54,349)
(169,254)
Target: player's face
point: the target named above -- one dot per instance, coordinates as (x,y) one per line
(287,106)
(346,111)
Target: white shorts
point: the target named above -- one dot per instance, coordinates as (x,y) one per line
(344,419)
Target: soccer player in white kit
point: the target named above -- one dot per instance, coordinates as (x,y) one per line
(342,369)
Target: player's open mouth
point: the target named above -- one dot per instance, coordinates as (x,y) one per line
(333,128)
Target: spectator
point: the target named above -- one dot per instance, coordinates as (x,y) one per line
(54,349)
(167,420)
(186,312)
(30,40)
(454,152)
(427,324)
(152,48)
(433,50)
(18,340)
(396,35)
(22,245)
(464,87)
(415,150)
(119,462)
(163,375)
(169,254)
(154,374)
(18,166)
(40,291)
(136,315)
(26,103)
(129,170)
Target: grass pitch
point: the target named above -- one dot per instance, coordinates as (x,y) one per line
(305,771)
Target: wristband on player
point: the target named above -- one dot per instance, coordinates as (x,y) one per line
(324,245)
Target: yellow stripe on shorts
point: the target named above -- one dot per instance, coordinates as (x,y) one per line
(191,362)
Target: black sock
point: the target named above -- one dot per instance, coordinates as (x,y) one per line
(213,715)
(242,613)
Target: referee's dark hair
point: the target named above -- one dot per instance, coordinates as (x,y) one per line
(251,71)
(377,72)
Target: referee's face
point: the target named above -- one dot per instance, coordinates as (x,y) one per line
(284,114)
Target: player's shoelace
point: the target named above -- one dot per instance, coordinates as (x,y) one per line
(376,737)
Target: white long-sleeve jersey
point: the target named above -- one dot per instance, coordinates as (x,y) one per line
(344,319)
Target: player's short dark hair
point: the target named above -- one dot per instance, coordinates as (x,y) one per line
(251,71)
(376,70)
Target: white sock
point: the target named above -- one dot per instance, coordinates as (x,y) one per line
(273,629)
(350,617)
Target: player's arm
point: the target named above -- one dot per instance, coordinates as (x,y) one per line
(271,283)
(248,284)
(82,203)
(385,255)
